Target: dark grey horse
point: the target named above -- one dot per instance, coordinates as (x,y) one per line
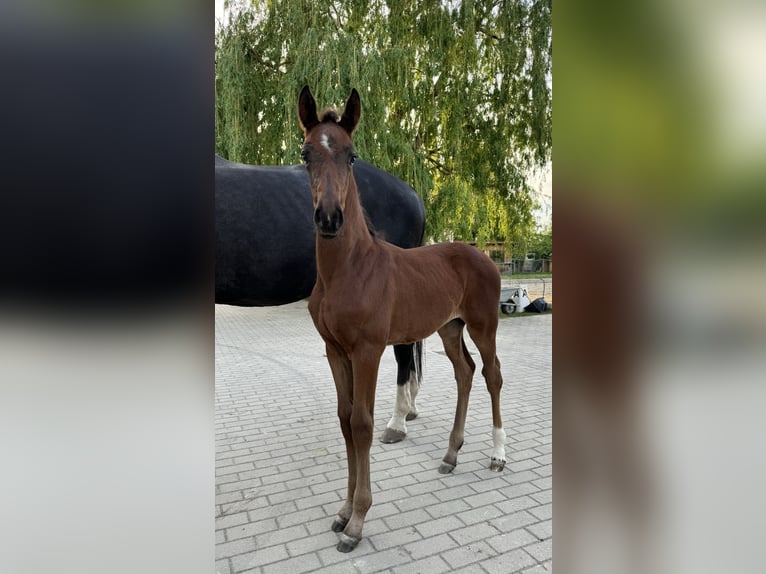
(264,243)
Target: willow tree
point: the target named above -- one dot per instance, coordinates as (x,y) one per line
(456,96)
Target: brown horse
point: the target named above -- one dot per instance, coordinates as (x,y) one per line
(370,294)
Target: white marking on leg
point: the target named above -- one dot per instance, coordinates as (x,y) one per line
(413,387)
(401,408)
(498,440)
(325,142)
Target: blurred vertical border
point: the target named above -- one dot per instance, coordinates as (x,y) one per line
(660,328)
(106,292)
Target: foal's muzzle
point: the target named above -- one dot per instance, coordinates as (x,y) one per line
(328,224)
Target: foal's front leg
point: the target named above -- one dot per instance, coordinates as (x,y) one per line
(364,363)
(340,366)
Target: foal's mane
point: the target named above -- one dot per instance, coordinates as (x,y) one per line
(329,115)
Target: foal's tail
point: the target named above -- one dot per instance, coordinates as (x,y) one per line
(410,361)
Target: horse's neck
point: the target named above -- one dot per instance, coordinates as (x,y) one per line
(335,255)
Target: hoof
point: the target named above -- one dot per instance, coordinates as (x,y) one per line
(496,465)
(411,416)
(338,525)
(347,543)
(392,435)
(446,468)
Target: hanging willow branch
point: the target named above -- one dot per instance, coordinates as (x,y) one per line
(456,96)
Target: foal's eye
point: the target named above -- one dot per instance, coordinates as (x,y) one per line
(351,159)
(304,156)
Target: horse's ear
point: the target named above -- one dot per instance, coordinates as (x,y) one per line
(307,110)
(352,113)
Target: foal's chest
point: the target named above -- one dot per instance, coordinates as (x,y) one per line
(342,320)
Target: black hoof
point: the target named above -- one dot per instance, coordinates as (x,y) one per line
(392,435)
(411,416)
(347,543)
(446,468)
(338,525)
(496,465)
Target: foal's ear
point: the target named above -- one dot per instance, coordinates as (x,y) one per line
(307,110)
(352,113)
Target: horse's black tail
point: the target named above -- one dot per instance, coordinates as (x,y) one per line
(409,359)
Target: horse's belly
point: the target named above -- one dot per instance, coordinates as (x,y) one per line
(421,321)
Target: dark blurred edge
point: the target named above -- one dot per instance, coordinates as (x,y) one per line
(106,287)
(106,181)
(660,323)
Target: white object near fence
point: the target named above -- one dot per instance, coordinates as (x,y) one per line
(520,298)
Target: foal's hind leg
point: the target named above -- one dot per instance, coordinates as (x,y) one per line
(452,337)
(484,338)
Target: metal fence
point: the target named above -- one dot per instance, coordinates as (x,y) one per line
(522,266)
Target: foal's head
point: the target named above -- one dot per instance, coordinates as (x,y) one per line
(328,153)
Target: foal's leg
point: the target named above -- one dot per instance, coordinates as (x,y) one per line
(484,338)
(364,363)
(342,375)
(462,363)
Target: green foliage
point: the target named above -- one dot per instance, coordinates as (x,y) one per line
(455,96)
(541,244)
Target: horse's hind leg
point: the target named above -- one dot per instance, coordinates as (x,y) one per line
(406,382)
(484,338)
(462,363)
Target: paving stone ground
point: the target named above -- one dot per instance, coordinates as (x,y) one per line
(281,468)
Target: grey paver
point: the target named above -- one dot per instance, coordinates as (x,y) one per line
(513,521)
(481,514)
(382,560)
(396,538)
(474,533)
(439,525)
(231,520)
(542,530)
(430,565)
(542,512)
(312,543)
(281,463)
(429,546)
(227,549)
(251,560)
(545,568)
(251,529)
(403,519)
(468,553)
(516,504)
(297,565)
(511,540)
(541,551)
(508,563)
(280,536)
(446,508)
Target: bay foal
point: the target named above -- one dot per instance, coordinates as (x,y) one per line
(370,294)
